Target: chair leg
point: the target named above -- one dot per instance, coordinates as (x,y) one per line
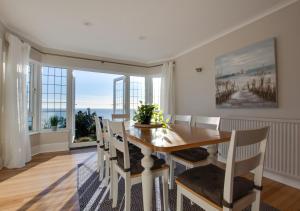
(101,164)
(106,178)
(256,204)
(165,190)
(114,187)
(179,205)
(127,192)
(98,158)
(111,179)
(171,179)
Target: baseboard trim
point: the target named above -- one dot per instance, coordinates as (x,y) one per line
(289,181)
(54,147)
(282,179)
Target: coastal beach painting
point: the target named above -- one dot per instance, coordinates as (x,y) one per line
(247,78)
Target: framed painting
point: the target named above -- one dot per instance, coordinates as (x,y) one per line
(247,78)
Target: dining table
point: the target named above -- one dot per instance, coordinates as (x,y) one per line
(167,140)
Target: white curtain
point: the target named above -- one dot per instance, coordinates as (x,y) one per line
(167,99)
(16,148)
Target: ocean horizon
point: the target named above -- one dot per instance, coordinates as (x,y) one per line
(105,113)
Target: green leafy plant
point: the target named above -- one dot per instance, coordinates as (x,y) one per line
(149,113)
(85,127)
(54,121)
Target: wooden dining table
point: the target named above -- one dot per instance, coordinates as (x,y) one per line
(167,140)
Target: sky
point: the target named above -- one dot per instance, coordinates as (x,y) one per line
(253,56)
(93,90)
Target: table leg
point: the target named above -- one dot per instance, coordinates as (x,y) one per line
(213,152)
(147,179)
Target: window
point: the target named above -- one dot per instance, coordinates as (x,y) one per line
(54,95)
(156,87)
(137,92)
(29,94)
(119,96)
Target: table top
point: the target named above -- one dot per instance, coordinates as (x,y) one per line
(175,137)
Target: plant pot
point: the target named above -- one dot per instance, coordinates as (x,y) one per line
(147,121)
(54,128)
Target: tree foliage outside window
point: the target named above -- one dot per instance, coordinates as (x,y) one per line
(85,127)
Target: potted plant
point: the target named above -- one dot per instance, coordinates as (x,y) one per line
(148,115)
(54,122)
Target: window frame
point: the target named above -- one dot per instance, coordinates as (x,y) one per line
(148,89)
(68,99)
(34,90)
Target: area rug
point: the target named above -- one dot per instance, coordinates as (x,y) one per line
(93,195)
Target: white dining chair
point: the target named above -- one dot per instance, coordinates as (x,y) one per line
(128,165)
(182,119)
(193,157)
(214,188)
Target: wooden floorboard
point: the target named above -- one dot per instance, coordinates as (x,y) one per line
(48,182)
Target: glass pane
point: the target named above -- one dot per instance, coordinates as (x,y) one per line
(137,92)
(51,80)
(50,89)
(51,71)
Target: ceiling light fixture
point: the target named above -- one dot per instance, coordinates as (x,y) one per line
(142,37)
(87,23)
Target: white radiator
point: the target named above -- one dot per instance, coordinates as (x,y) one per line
(283,150)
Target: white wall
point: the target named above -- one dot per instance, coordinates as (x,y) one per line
(195,92)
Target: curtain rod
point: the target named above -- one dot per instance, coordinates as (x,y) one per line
(97,60)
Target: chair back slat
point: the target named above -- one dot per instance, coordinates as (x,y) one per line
(182,119)
(99,133)
(119,141)
(241,167)
(106,135)
(206,122)
(250,137)
(123,117)
(245,166)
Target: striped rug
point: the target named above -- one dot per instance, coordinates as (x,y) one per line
(93,195)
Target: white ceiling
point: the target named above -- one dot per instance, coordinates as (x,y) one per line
(169,27)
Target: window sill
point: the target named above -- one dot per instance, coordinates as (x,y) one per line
(49,131)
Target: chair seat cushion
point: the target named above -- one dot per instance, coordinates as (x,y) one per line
(208,181)
(192,155)
(136,162)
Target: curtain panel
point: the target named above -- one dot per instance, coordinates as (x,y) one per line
(167,99)
(16,147)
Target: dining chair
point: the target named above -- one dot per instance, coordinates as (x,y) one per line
(182,119)
(128,165)
(102,149)
(193,157)
(214,188)
(124,117)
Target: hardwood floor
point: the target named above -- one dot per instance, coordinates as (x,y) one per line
(48,182)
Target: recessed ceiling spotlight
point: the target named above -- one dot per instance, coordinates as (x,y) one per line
(87,23)
(142,37)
